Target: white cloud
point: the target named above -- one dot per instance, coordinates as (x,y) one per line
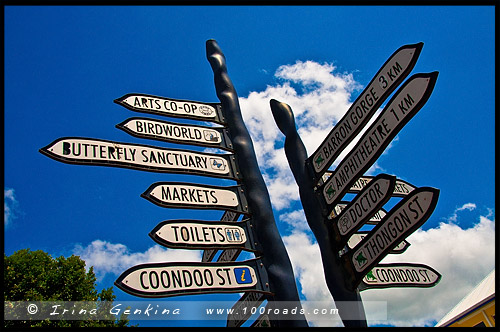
(10,206)
(466,206)
(115,258)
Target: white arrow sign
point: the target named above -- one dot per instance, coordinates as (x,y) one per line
(185,278)
(400,275)
(228,216)
(373,220)
(392,73)
(409,99)
(89,151)
(357,237)
(197,234)
(362,207)
(195,196)
(172,107)
(177,133)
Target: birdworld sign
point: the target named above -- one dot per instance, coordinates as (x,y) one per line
(197,234)
(97,152)
(179,108)
(392,73)
(407,101)
(196,196)
(215,137)
(400,275)
(402,220)
(155,280)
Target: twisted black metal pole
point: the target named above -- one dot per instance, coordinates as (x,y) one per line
(348,302)
(275,257)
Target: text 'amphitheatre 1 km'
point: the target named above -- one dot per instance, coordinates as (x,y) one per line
(350,256)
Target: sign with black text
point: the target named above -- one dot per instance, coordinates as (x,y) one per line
(197,234)
(172,107)
(156,280)
(363,207)
(392,73)
(376,218)
(196,196)
(214,137)
(97,152)
(402,220)
(400,275)
(360,235)
(407,101)
(401,189)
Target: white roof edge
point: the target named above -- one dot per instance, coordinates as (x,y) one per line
(482,293)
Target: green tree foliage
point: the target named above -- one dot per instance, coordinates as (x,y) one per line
(36,276)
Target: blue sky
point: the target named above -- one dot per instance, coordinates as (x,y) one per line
(64,66)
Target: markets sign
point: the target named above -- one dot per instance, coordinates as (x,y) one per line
(88,151)
(362,207)
(172,107)
(409,99)
(401,221)
(215,137)
(400,275)
(196,234)
(188,278)
(196,196)
(392,73)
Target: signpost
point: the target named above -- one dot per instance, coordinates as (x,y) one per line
(184,278)
(89,151)
(196,234)
(373,220)
(363,207)
(209,254)
(195,196)
(214,137)
(172,107)
(401,189)
(402,220)
(242,309)
(409,99)
(357,237)
(392,73)
(400,275)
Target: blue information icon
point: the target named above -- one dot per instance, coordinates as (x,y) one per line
(243,275)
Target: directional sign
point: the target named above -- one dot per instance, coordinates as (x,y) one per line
(196,234)
(402,220)
(375,219)
(89,151)
(363,207)
(214,137)
(392,73)
(242,309)
(400,275)
(187,278)
(196,196)
(209,254)
(401,189)
(409,99)
(357,237)
(172,107)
